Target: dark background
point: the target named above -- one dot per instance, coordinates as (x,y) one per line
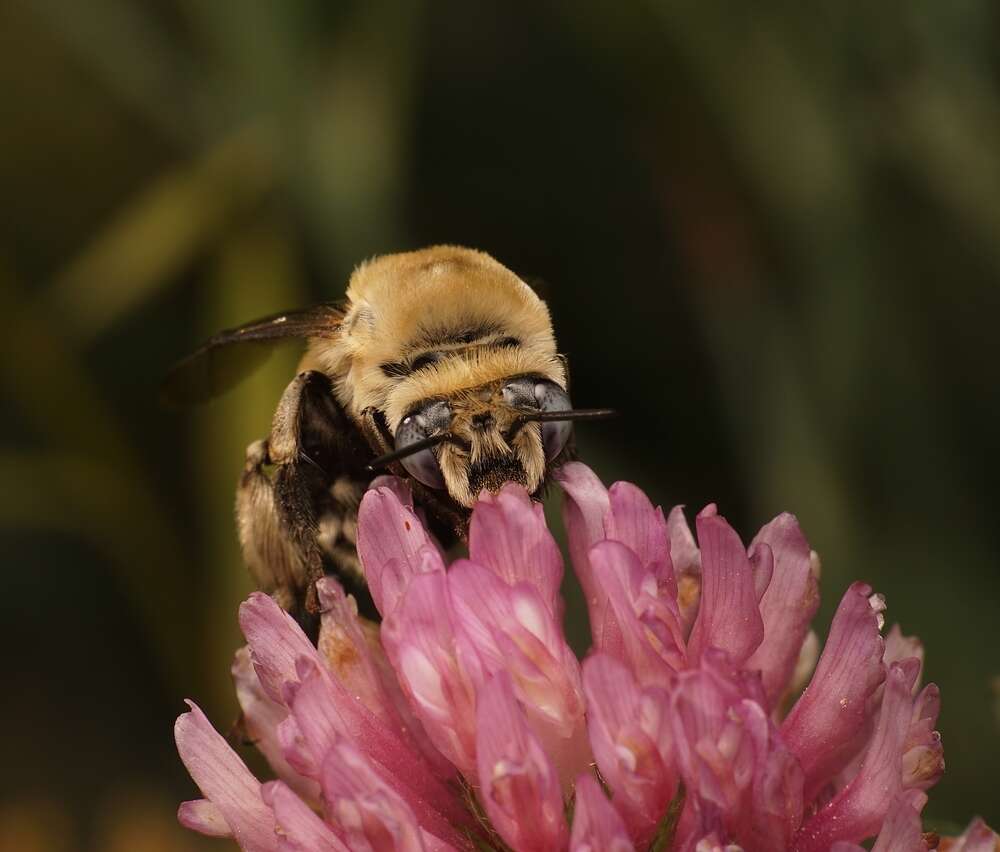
(771,238)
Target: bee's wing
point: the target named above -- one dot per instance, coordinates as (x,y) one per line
(231,355)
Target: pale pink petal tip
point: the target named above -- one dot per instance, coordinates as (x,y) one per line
(597,827)
(821,727)
(262,720)
(519,787)
(641,625)
(901,831)
(298,827)
(350,651)
(787,606)
(728,616)
(585,506)
(858,811)
(630,734)
(276,641)
(513,628)
(396,485)
(202,816)
(393,546)
(508,535)
(635,522)
(686,560)
(370,813)
(225,781)
(421,643)
(978,837)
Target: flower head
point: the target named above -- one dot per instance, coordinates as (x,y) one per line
(466,722)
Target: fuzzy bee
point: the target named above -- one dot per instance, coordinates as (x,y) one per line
(439,366)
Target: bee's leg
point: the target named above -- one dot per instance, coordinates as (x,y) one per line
(338,540)
(297,524)
(276,561)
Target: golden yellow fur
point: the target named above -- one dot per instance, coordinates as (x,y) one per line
(402,305)
(481,323)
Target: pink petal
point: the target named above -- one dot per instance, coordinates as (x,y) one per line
(508,535)
(775,811)
(202,816)
(923,756)
(585,506)
(326,708)
(326,715)
(857,811)
(761,568)
(225,781)
(899,647)
(634,522)
(714,750)
(686,561)
(901,831)
(805,665)
(393,546)
(396,575)
(728,618)
(519,787)
(370,814)
(398,486)
(787,607)
(711,843)
(684,553)
(645,626)
(296,749)
(276,641)
(511,628)
(978,837)
(629,732)
(261,720)
(349,651)
(354,653)
(440,681)
(834,707)
(597,827)
(299,828)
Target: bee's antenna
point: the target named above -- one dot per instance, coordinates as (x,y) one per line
(409,450)
(569,414)
(555,416)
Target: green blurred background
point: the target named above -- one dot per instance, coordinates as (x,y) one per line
(770,234)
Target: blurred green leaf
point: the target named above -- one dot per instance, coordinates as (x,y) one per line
(119,519)
(255,272)
(113,488)
(125,45)
(162,230)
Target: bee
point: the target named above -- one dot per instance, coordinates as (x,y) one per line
(440,366)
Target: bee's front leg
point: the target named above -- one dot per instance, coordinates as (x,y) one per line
(297,500)
(275,556)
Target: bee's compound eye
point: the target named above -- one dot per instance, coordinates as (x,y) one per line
(550,397)
(423,423)
(520,393)
(554,437)
(424,468)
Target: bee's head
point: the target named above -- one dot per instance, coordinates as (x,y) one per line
(452,357)
(481,438)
